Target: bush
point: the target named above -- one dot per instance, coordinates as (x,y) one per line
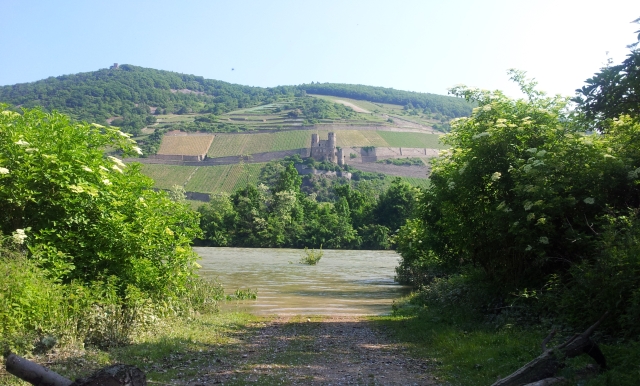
(311,257)
(611,282)
(96,254)
(88,217)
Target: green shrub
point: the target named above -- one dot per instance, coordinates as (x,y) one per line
(30,303)
(88,217)
(311,257)
(610,282)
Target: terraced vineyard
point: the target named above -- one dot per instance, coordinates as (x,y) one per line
(404,139)
(419,182)
(207,179)
(356,138)
(234,144)
(225,145)
(204,179)
(241,175)
(185,144)
(166,176)
(224,178)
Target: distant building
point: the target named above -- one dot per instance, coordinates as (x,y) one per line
(114,67)
(326,150)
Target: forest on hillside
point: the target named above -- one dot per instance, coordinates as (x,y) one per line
(129,93)
(430,103)
(130,96)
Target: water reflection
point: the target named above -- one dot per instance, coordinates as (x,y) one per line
(343,283)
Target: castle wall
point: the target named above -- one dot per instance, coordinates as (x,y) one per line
(324,150)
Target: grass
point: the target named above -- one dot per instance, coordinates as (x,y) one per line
(419,182)
(175,347)
(472,352)
(464,354)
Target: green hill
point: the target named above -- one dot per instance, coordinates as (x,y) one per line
(129,96)
(133,97)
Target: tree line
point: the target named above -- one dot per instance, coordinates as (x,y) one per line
(280,211)
(430,103)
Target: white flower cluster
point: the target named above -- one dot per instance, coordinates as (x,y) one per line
(19,236)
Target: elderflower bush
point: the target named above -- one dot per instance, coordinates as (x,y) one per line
(86,217)
(523,186)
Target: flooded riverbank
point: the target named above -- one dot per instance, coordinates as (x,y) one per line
(345,282)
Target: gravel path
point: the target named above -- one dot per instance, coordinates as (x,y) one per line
(345,350)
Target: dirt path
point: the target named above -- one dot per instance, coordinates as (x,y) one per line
(342,350)
(355,108)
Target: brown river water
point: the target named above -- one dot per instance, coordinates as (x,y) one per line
(344,282)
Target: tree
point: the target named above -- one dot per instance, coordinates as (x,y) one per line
(396,205)
(614,91)
(88,217)
(217,220)
(288,180)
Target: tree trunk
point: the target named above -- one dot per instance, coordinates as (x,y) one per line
(551,360)
(33,372)
(116,375)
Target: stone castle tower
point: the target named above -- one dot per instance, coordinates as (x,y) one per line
(326,150)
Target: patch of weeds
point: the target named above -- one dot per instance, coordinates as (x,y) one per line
(240,294)
(467,353)
(311,257)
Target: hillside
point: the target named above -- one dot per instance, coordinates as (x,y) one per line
(128,96)
(261,124)
(429,103)
(134,97)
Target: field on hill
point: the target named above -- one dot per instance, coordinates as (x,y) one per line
(397,139)
(285,114)
(242,144)
(225,145)
(165,176)
(203,179)
(185,144)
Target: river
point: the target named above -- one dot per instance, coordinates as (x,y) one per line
(344,282)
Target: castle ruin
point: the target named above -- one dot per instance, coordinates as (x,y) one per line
(326,150)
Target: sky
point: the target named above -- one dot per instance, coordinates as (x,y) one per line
(425,46)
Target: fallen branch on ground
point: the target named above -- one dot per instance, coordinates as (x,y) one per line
(37,375)
(545,367)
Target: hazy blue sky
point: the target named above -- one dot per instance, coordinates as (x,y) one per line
(423,46)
